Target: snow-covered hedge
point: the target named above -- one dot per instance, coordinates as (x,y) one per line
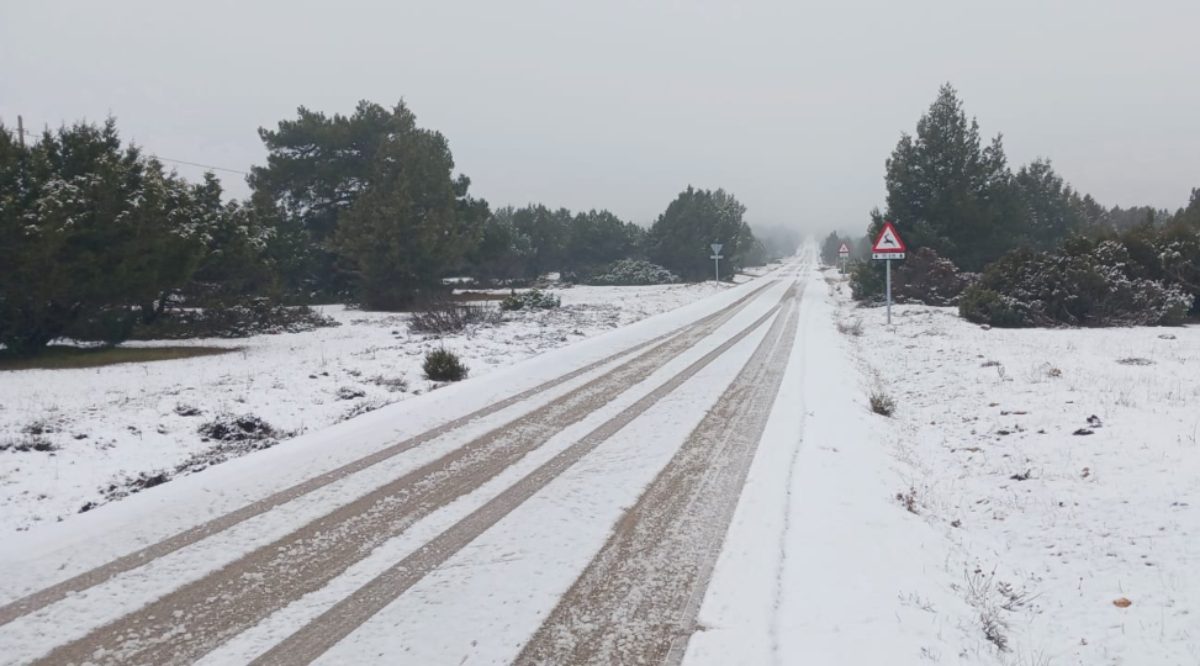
(633,272)
(534,299)
(1079,285)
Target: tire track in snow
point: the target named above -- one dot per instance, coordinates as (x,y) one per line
(339,621)
(637,602)
(78,583)
(200,615)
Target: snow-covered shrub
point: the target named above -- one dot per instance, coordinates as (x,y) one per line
(184,409)
(927,277)
(882,403)
(1078,285)
(985,306)
(350,393)
(443,365)
(27,443)
(534,299)
(237,428)
(924,277)
(866,280)
(633,272)
(392,384)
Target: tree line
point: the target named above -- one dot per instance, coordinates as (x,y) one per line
(1045,250)
(98,238)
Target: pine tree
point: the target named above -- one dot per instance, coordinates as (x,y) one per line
(412,221)
(597,238)
(681,236)
(91,232)
(948,192)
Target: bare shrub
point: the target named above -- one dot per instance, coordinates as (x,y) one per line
(852,328)
(447,317)
(908,499)
(28,443)
(882,403)
(392,384)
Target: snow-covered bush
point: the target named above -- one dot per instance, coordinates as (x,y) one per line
(237,428)
(443,365)
(1081,284)
(534,299)
(927,277)
(924,277)
(633,272)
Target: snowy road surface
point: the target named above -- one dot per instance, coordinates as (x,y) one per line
(570,513)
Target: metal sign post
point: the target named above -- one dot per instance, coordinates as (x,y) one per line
(888,247)
(888,264)
(716,257)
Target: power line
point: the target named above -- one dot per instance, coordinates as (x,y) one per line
(167,159)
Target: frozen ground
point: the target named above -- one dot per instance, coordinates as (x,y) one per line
(117,423)
(1061,469)
(973,527)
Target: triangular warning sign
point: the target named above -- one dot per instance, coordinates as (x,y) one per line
(844,249)
(888,241)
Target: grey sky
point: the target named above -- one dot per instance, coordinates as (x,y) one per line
(792,106)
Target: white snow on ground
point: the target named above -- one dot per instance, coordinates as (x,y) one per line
(1020,532)
(116,422)
(1024,534)
(821,565)
(56,551)
(485,601)
(1049,533)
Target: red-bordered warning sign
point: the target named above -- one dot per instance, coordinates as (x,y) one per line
(888,245)
(844,249)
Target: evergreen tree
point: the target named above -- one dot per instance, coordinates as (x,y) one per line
(1190,216)
(680,237)
(948,192)
(830,247)
(235,263)
(597,238)
(547,232)
(412,221)
(1051,210)
(90,232)
(502,252)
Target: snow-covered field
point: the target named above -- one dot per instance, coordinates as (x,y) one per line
(1032,501)
(116,423)
(1054,484)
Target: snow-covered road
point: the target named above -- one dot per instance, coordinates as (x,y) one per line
(488,522)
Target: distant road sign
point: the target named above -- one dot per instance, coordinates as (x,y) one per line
(844,250)
(888,245)
(716,247)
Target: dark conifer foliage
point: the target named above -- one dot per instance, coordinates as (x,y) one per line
(680,238)
(94,236)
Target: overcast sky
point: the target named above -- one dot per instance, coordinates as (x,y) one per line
(792,106)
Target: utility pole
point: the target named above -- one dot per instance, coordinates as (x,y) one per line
(21,131)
